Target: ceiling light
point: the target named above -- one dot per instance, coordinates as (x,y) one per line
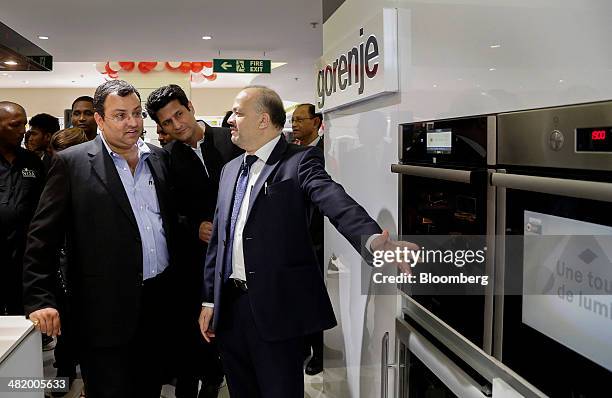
(10,62)
(492,69)
(43,37)
(495,45)
(435,85)
(206,37)
(561,81)
(5,74)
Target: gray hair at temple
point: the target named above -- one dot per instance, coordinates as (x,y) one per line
(268,101)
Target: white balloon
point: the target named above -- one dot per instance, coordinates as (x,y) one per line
(197,78)
(101,67)
(114,66)
(160,66)
(207,71)
(174,64)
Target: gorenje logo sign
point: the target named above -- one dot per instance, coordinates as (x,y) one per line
(341,74)
(362,66)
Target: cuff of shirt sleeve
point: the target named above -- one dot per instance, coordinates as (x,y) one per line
(209,305)
(368,244)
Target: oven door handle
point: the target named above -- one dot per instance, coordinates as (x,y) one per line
(464,176)
(601,191)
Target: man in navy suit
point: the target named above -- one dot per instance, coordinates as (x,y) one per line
(263,289)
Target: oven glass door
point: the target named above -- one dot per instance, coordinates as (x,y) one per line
(439,207)
(559,342)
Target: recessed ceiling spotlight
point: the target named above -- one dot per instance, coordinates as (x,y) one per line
(435,85)
(495,45)
(10,62)
(206,37)
(492,69)
(43,37)
(561,80)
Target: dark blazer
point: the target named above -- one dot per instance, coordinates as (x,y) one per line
(286,288)
(196,189)
(316,225)
(196,197)
(85,201)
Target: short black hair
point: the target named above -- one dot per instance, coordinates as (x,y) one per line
(119,87)
(270,102)
(311,110)
(224,123)
(162,97)
(44,122)
(84,98)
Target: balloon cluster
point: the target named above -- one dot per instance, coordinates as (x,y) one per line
(200,71)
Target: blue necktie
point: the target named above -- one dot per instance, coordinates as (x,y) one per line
(239,191)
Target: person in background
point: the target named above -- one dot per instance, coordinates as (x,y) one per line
(305,124)
(110,199)
(197,155)
(66,138)
(42,127)
(163,137)
(83,116)
(224,123)
(65,355)
(22,178)
(26,141)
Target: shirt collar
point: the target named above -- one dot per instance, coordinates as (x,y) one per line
(315,141)
(143,149)
(265,151)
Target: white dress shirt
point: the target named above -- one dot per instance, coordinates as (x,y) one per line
(262,154)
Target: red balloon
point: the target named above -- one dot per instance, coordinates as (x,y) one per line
(185,67)
(127,66)
(211,78)
(108,69)
(207,64)
(196,67)
(146,67)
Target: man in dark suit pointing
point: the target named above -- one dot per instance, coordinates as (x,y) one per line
(263,290)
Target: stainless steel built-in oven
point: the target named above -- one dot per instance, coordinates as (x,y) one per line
(553,302)
(443,180)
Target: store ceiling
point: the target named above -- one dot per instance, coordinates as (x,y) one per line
(90,32)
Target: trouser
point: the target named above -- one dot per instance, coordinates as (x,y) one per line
(255,367)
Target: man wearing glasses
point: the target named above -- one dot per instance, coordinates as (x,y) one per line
(109,198)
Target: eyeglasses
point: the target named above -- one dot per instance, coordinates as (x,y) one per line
(296,120)
(123,116)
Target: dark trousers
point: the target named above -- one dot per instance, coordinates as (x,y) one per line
(139,368)
(315,342)
(255,367)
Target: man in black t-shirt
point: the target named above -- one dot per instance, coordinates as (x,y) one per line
(21,182)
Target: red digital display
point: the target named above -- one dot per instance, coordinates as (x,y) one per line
(598,135)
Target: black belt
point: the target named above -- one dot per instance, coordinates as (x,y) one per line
(238,284)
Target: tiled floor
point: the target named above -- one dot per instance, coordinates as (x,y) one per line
(314,386)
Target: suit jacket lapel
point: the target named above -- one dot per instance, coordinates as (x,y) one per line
(105,169)
(270,165)
(226,193)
